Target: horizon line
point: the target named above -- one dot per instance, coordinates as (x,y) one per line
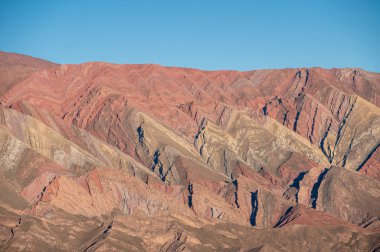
(193,68)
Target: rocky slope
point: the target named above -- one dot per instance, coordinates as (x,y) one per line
(106,157)
(15,67)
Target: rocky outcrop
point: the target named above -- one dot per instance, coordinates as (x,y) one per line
(350,196)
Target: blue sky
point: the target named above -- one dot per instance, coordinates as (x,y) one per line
(238,34)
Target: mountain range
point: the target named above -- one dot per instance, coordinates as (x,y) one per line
(108,157)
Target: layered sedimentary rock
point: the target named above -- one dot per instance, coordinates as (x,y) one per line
(15,67)
(100,156)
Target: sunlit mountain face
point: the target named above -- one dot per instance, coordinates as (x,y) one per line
(108,157)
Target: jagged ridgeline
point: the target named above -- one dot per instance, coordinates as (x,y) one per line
(105,157)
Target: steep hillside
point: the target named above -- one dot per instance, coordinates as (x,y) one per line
(15,67)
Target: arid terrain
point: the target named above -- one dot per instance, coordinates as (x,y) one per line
(106,157)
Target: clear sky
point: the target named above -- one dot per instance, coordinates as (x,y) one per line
(204,34)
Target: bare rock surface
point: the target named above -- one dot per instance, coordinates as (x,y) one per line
(105,157)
